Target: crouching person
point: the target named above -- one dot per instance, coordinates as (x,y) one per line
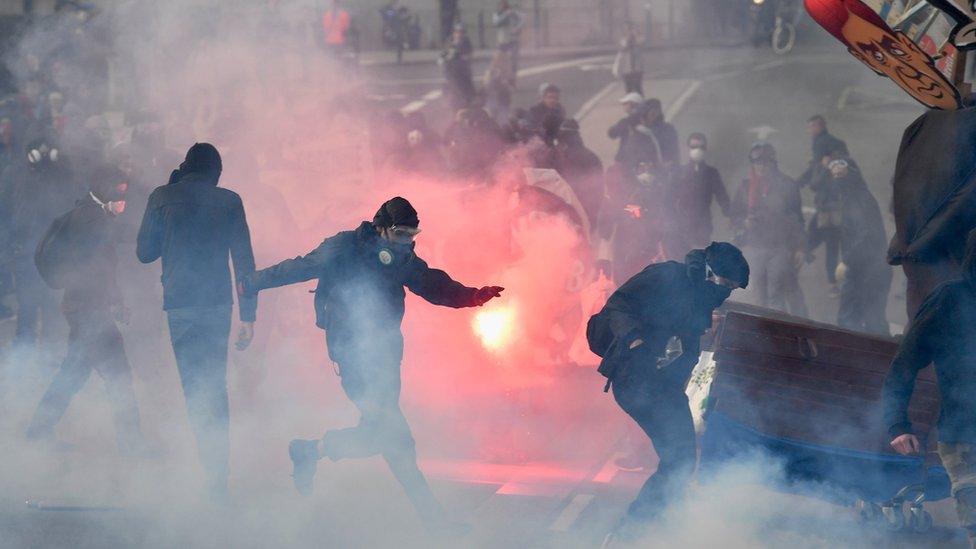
(943,333)
(649,334)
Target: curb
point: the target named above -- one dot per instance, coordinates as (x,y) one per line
(486,54)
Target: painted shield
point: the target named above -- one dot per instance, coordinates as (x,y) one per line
(893,53)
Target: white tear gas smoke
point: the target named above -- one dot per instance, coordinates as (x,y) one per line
(293,129)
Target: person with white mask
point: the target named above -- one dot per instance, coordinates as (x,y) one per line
(697,185)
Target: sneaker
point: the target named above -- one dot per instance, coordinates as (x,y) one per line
(304,456)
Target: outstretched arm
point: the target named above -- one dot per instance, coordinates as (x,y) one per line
(439,288)
(299,269)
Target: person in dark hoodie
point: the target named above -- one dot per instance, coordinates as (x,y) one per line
(92,304)
(866,276)
(648,335)
(359,302)
(193,226)
(38,188)
(942,333)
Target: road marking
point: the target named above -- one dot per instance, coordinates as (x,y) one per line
(609,469)
(675,108)
(433,95)
(588,68)
(842,100)
(592,102)
(413,106)
(571,512)
(770,65)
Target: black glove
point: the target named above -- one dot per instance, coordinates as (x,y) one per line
(486,294)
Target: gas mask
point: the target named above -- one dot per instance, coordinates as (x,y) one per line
(415,138)
(398,249)
(42,153)
(696,154)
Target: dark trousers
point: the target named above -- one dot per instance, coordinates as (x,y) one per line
(372,383)
(777,280)
(94,343)
(660,408)
(634,82)
(199,336)
(864,299)
(830,238)
(35,303)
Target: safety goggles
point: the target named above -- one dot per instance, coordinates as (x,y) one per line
(403,233)
(838,164)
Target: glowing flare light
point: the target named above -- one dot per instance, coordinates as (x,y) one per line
(494,326)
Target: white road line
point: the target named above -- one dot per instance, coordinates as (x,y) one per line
(433,95)
(770,65)
(842,100)
(675,108)
(413,106)
(592,102)
(571,512)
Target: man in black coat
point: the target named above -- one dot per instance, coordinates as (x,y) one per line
(359,302)
(193,226)
(92,305)
(581,168)
(824,147)
(866,274)
(650,139)
(696,186)
(942,333)
(37,188)
(648,335)
(549,106)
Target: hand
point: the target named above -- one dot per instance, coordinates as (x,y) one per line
(486,294)
(825,161)
(906,444)
(636,343)
(244,335)
(122,314)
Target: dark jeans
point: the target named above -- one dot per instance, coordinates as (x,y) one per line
(35,303)
(660,407)
(199,336)
(372,383)
(864,299)
(634,82)
(830,237)
(94,343)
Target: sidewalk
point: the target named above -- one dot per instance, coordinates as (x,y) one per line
(420,57)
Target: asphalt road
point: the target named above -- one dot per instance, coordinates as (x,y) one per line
(725,93)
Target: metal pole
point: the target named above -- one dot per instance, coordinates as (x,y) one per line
(481,29)
(537,22)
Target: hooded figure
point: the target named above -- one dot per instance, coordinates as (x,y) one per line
(194,226)
(648,335)
(943,333)
(359,302)
(867,276)
(92,305)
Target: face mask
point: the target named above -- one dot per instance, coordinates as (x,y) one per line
(645,178)
(696,155)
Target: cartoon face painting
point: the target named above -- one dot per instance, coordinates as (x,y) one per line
(887,52)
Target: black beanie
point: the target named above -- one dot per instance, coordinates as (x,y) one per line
(202,157)
(728,262)
(106,182)
(396,211)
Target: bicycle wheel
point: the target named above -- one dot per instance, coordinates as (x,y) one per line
(784,37)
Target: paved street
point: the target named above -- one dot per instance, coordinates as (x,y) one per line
(735,96)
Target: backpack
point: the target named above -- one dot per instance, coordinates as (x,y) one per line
(53,256)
